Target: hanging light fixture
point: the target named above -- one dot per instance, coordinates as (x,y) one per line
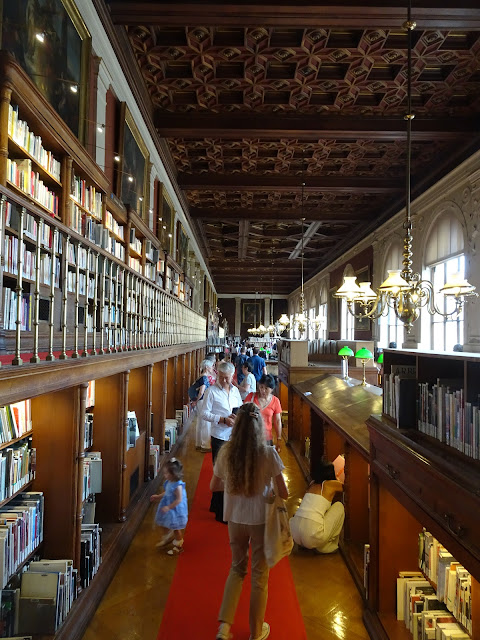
(404,291)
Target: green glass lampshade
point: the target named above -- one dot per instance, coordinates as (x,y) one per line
(345,351)
(364,354)
(380,358)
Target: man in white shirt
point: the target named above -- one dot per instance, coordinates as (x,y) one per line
(219,402)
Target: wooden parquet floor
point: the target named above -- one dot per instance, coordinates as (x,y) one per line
(133,605)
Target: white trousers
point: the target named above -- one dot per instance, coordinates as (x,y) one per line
(322,536)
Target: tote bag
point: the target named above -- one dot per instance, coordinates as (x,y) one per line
(278,541)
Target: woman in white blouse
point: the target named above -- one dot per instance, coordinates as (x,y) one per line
(244,468)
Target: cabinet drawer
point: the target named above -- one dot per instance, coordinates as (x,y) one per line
(454,508)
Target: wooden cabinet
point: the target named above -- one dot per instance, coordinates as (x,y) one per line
(332,412)
(418,481)
(58,391)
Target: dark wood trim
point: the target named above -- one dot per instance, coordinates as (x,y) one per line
(432,14)
(31,380)
(278,214)
(310,127)
(233,182)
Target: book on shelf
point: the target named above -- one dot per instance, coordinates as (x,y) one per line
(399,395)
(9,610)
(91,552)
(19,132)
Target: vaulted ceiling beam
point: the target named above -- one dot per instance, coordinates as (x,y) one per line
(311,128)
(432,14)
(243,239)
(276,215)
(251,182)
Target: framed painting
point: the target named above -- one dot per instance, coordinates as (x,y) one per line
(182,246)
(362,324)
(165,220)
(251,313)
(333,311)
(52,44)
(132,181)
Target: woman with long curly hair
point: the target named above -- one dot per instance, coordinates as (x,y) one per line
(244,469)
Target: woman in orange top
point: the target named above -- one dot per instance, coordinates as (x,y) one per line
(270,408)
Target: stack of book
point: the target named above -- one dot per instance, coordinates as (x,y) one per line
(47,592)
(15,420)
(435,613)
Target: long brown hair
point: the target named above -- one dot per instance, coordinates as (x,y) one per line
(245,451)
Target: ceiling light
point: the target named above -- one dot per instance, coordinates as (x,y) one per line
(74,88)
(100,128)
(40,37)
(404,291)
(116,158)
(130,178)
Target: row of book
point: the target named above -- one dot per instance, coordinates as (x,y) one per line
(30,227)
(10,257)
(92,474)
(136,245)
(20,133)
(113,225)
(452,580)
(88,431)
(21,531)
(423,614)
(82,284)
(135,264)
(17,467)
(444,414)
(15,420)
(10,310)
(21,174)
(90,552)
(87,196)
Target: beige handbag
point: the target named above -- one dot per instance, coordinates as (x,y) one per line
(278,541)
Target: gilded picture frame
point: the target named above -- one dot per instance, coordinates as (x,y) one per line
(132,180)
(59,65)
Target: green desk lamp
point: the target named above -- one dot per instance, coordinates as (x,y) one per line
(364,355)
(380,358)
(345,353)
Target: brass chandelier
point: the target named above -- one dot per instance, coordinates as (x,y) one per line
(404,291)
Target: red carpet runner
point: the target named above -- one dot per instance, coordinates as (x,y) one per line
(197,587)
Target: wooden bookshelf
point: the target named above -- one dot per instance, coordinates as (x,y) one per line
(332,413)
(420,482)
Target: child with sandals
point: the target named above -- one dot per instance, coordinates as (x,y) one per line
(172,511)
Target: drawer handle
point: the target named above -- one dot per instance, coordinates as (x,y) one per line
(393,473)
(455,528)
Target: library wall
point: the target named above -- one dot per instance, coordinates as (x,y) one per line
(456,193)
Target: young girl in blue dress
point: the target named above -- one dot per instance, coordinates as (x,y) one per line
(172,511)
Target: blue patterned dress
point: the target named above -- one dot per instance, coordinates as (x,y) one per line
(177,517)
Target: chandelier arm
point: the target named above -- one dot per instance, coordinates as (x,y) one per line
(377,308)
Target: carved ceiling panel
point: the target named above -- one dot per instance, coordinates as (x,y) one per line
(252,112)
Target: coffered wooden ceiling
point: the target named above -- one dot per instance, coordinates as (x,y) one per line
(254,99)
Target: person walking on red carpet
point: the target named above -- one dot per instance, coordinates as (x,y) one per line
(172,511)
(244,468)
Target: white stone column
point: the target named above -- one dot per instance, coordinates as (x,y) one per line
(266,313)
(238,315)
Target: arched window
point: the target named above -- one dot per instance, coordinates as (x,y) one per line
(391,328)
(322,313)
(347,320)
(444,255)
